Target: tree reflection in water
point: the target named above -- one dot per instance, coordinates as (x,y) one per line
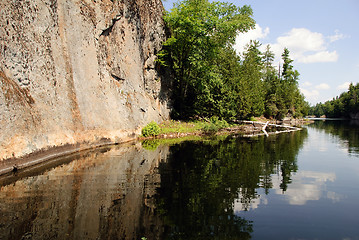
(201,181)
(347,131)
(186,191)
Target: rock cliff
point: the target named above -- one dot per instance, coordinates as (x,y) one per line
(78,73)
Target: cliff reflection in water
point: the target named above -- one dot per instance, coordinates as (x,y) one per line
(100,195)
(191,190)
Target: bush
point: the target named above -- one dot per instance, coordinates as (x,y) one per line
(151,129)
(253,119)
(215,125)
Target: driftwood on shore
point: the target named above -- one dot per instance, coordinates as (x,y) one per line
(261,129)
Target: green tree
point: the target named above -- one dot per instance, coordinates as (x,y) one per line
(252,75)
(290,95)
(273,100)
(199,31)
(228,67)
(346,105)
(210,79)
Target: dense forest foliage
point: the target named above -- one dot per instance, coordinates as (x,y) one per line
(210,79)
(343,106)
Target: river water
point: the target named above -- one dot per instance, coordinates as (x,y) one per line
(299,185)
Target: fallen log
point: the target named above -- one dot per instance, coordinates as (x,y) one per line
(265,125)
(267,133)
(268,124)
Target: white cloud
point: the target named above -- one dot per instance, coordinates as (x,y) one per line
(243,39)
(306,46)
(302,40)
(323,56)
(322,86)
(309,93)
(344,86)
(337,36)
(307,84)
(311,96)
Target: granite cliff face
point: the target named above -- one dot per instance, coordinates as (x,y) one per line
(78,72)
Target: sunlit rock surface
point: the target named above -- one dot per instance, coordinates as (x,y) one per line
(78,72)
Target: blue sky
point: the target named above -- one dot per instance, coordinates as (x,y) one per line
(321,35)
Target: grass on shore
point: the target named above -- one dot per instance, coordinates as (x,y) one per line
(174,132)
(209,126)
(183,127)
(171,126)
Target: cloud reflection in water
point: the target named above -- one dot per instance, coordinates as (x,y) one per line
(306,186)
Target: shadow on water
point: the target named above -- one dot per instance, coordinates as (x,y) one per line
(183,191)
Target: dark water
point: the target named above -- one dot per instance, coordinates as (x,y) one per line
(300,185)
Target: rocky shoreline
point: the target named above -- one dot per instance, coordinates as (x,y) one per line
(14,164)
